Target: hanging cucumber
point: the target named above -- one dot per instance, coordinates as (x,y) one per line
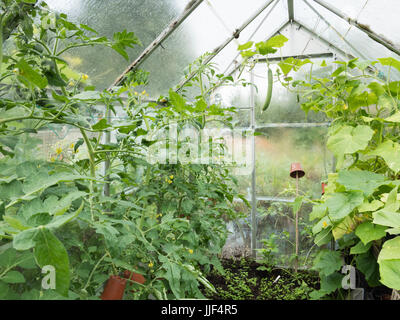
(269,91)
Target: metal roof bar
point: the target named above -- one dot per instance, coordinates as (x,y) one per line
(252,35)
(360,54)
(299,56)
(364,28)
(157,41)
(293,125)
(290,10)
(218,49)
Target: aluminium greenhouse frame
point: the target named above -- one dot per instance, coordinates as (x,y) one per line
(333,51)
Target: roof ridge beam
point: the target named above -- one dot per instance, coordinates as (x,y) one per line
(290,10)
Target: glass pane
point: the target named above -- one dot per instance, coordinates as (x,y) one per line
(190,40)
(358,43)
(241,119)
(385,23)
(234,12)
(265,24)
(145,18)
(233,95)
(306,16)
(238,242)
(380,16)
(277,148)
(285,105)
(276,233)
(300,43)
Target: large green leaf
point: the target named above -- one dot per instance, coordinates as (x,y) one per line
(366,263)
(348,139)
(323,237)
(318,211)
(360,247)
(13,277)
(365,181)
(392,62)
(59,221)
(265,47)
(292,64)
(394,118)
(346,226)
(50,251)
(11,190)
(25,239)
(386,217)
(8,258)
(27,72)
(370,206)
(369,231)
(327,262)
(342,203)
(332,282)
(65,202)
(390,152)
(389,263)
(177,100)
(173,276)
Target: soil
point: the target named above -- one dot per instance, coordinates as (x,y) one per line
(249,280)
(246,279)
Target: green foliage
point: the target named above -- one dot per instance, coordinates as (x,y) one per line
(389,263)
(165,221)
(360,208)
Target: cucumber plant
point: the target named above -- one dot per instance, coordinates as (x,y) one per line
(360,208)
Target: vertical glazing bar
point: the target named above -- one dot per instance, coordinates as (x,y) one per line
(290,10)
(335,66)
(253,172)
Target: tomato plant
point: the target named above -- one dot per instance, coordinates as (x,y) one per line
(165,221)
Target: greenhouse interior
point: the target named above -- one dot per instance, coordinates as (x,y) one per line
(200,149)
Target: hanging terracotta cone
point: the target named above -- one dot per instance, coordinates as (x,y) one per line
(133,276)
(114,289)
(297,172)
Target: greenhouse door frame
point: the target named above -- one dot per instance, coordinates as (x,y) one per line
(254,198)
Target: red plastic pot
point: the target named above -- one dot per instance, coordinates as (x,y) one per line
(114,289)
(323,185)
(183,216)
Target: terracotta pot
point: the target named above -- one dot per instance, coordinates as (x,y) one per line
(137,277)
(296,168)
(183,216)
(114,289)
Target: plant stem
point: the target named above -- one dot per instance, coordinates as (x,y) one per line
(94,269)
(92,169)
